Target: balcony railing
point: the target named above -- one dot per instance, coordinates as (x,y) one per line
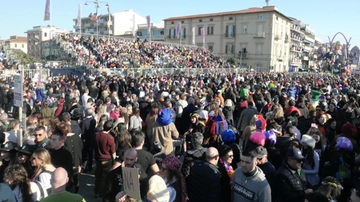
(260,35)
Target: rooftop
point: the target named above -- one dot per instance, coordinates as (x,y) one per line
(245,11)
(17,39)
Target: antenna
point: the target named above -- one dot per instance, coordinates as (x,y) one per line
(267,2)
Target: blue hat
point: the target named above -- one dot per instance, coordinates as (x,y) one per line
(295,153)
(164,116)
(228,136)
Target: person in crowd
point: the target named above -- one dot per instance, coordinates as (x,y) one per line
(312,161)
(250,183)
(105,154)
(6,193)
(205,176)
(41,139)
(227,172)
(331,188)
(41,161)
(87,133)
(24,158)
(8,156)
(58,184)
(291,184)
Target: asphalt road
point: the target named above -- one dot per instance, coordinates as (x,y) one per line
(87,186)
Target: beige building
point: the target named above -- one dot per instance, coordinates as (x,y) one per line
(16,42)
(259,37)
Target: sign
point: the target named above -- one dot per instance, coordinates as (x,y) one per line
(131,182)
(18,90)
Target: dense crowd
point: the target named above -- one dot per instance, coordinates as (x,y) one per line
(122,53)
(210,137)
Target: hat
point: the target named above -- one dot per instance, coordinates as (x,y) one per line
(24,150)
(228,136)
(258,138)
(8,146)
(164,116)
(270,137)
(172,163)
(158,189)
(308,140)
(295,153)
(261,151)
(344,143)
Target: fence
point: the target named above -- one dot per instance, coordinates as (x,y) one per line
(34,74)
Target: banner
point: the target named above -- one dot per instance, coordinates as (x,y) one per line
(109,20)
(47,11)
(134,24)
(178,30)
(78,20)
(148,23)
(193,36)
(202,35)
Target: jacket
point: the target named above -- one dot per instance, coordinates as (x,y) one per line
(165,135)
(246,117)
(252,188)
(205,183)
(290,186)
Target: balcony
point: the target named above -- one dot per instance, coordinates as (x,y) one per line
(230,35)
(260,35)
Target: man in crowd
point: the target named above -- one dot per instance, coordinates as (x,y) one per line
(105,154)
(41,139)
(250,183)
(291,182)
(59,179)
(205,178)
(87,133)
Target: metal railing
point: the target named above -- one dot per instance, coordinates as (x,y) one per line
(35,74)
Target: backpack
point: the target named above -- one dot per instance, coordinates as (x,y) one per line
(343,172)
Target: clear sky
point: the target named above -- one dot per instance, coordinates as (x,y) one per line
(326,17)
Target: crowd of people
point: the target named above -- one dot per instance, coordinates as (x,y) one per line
(122,53)
(199,138)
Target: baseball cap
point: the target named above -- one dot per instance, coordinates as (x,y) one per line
(295,153)
(261,151)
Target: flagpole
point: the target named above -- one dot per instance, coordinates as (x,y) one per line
(50,8)
(79,17)
(150,34)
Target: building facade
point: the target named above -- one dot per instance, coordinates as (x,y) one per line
(38,37)
(16,42)
(121,23)
(157,32)
(259,37)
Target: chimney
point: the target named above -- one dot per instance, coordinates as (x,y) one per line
(270,8)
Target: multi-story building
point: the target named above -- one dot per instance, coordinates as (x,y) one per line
(16,42)
(39,37)
(259,37)
(121,23)
(157,32)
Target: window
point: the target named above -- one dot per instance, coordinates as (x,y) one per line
(210,48)
(260,28)
(259,48)
(210,30)
(45,34)
(211,19)
(15,45)
(260,16)
(22,46)
(230,18)
(229,48)
(171,33)
(200,20)
(183,33)
(230,30)
(172,23)
(199,31)
(244,29)
(182,21)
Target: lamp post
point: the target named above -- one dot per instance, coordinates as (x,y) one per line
(97,6)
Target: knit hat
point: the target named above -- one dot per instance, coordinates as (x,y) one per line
(258,138)
(308,140)
(343,143)
(164,116)
(270,137)
(172,163)
(158,189)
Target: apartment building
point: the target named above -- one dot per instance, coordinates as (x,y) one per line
(39,37)
(259,37)
(121,23)
(157,32)
(16,42)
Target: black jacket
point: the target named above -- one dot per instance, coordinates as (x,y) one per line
(62,158)
(205,183)
(290,186)
(189,158)
(74,145)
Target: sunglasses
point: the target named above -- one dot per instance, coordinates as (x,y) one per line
(300,161)
(37,135)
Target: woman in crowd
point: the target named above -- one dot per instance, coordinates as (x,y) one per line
(135,120)
(227,172)
(331,188)
(8,156)
(43,168)
(312,160)
(122,140)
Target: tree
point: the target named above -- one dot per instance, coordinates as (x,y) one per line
(234,61)
(23,57)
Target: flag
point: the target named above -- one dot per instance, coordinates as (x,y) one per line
(134,31)
(193,35)
(94,17)
(78,20)
(178,30)
(202,35)
(109,20)
(47,11)
(148,23)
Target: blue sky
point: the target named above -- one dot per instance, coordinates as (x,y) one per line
(326,17)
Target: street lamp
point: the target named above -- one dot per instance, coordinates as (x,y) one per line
(97,6)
